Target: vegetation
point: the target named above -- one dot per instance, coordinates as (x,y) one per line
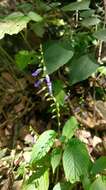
(52,67)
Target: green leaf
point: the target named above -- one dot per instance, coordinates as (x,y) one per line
(81,68)
(102,70)
(60,97)
(100,34)
(90,21)
(16,22)
(98,184)
(25,7)
(56,56)
(35,17)
(38,28)
(58,91)
(70,127)
(37,174)
(13,24)
(24,57)
(76,160)
(21,170)
(63,186)
(86,182)
(43,181)
(43,145)
(56,158)
(82,5)
(87,13)
(99,165)
(29,187)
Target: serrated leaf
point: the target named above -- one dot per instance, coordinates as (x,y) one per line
(100,34)
(36,175)
(44,181)
(82,5)
(98,184)
(63,186)
(99,165)
(90,21)
(37,184)
(43,145)
(24,57)
(56,158)
(56,56)
(70,127)
(15,22)
(86,182)
(81,68)
(76,160)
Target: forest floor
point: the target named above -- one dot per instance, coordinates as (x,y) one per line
(23,113)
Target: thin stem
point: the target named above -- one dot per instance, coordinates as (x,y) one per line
(100,51)
(27,43)
(52,96)
(76,18)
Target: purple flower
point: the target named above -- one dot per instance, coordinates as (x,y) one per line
(36,73)
(37,83)
(49,84)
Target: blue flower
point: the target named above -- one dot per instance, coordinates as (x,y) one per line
(37,83)
(36,73)
(49,84)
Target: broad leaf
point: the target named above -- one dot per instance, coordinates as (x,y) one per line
(98,184)
(56,56)
(86,182)
(24,57)
(43,145)
(37,174)
(76,160)
(63,186)
(81,68)
(70,127)
(101,34)
(34,16)
(82,5)
(16,22)
(99,165)
(56,158)
(90,21)
(43,181)
(38,28)
(87,13)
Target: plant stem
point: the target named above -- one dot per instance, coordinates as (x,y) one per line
(27,43)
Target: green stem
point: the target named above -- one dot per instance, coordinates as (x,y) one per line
(52,96)
(24,38)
